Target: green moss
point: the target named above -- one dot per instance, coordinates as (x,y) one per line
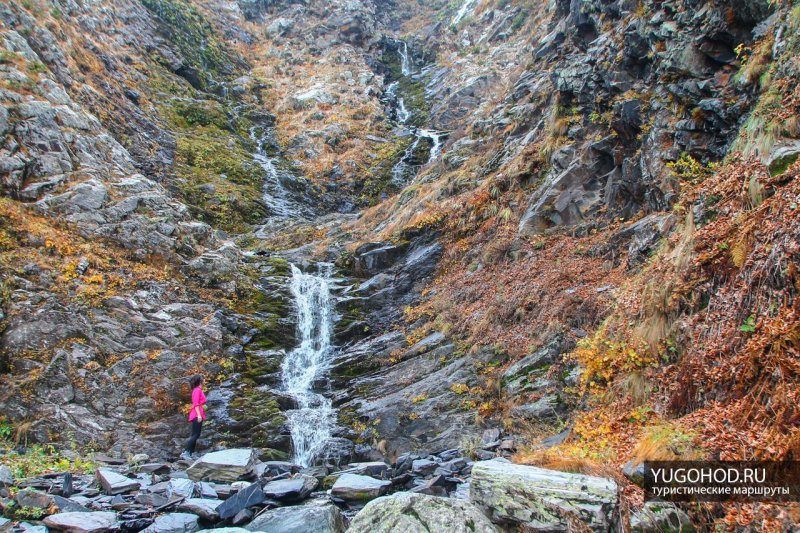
(279,266)
(271,454)
(258,408)
(779,166)
(185,114)
(194,37)
(219,180)
(378,179)
(272,334)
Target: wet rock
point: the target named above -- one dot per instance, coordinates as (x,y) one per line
(370,258)
(542,499)
(274,468)
(173,523)
(96,522)
(202,507)
(252,495)
(224,465)
(314,517)
(291,490)
(419,513)
(338,451)
(114,482)
(355,488)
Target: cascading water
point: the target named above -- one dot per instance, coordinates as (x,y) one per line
(405,61)
(274,195)
(466,9)
(313,420)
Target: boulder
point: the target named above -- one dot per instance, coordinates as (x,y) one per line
(173,523)
(34,499)
(355,488)
(98,522)
(114,482)
(202,507)
(180,488)
(291,490)
(252,495)
(225,465)
(6,477)
(419,513)
(315,517)
(541,499)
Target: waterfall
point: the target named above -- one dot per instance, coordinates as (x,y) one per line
(274,194)
(405,62)
(436,142)
(312,422)
(466,9)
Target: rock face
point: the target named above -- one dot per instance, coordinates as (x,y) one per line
(225,465)
(542,499)
(418,513)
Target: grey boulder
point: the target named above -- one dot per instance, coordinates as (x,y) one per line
(114,482)
(98,522)
(225,465)
(290,490)
(315,517)
(355,488)
(202,507)
(419,513)
(173,523)
(542,499)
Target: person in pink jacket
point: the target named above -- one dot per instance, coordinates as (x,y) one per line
(196,416)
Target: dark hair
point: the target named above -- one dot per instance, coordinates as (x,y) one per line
(196,381)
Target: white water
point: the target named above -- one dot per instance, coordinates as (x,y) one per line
(402,166)
(436,142)
(312,422)
(466,9)
(274,195)
(405,63)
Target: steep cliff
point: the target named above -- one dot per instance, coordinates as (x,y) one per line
(572,220)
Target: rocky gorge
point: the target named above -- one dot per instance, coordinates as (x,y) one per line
(446,266)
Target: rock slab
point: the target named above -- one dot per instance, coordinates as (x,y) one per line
(542,499)
(419,513)
(252,495)
(355,488)
(98,522)
(225,465)
(114,482)
(310,518)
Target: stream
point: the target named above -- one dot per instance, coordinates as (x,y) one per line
(406,165)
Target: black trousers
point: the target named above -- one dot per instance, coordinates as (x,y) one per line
(197,425)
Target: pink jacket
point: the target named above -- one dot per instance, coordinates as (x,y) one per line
(198,400)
